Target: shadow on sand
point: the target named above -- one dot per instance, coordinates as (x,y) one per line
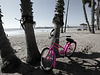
(78,64)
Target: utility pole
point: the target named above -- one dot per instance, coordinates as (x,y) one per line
(66,15)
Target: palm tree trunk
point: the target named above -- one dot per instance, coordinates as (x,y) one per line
(33,54)
(86,16)
(98,26)
(10,61)
(56,35)
(66,15)
(58,21)
(92,15)
(97,16)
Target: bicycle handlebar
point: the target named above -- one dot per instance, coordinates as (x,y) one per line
(52,35)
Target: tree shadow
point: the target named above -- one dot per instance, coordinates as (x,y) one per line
(86,56)
(80,64)
(26,69)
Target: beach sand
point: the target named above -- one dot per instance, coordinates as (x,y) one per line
(85,60)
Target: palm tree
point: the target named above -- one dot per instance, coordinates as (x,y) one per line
(33,54)
(66,15)
(85,14)
(10,61)
(92,4)
(58,20)
(92,15)
(98,15)
(98,27)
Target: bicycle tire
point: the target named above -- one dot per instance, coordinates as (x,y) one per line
(69,52)
(47,62)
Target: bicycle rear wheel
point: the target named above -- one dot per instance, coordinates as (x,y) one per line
(70,50)
(47,59)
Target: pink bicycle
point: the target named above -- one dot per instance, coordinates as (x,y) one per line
(48,57)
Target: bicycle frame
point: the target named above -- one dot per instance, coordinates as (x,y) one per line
(57,46)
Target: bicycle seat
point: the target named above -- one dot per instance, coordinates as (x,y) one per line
(68,36)
(69,40)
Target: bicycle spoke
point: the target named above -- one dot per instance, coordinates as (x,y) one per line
(47,59)
(71,49)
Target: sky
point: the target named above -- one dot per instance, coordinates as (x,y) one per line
(43,12)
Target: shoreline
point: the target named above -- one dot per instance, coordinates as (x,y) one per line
(20,31)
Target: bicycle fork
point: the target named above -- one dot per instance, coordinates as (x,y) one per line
(54,63)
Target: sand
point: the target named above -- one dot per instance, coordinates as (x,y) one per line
(85,60)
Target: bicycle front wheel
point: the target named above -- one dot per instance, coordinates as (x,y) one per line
(70,50)
(47,59)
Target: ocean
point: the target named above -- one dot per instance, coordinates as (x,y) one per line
(19,31)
